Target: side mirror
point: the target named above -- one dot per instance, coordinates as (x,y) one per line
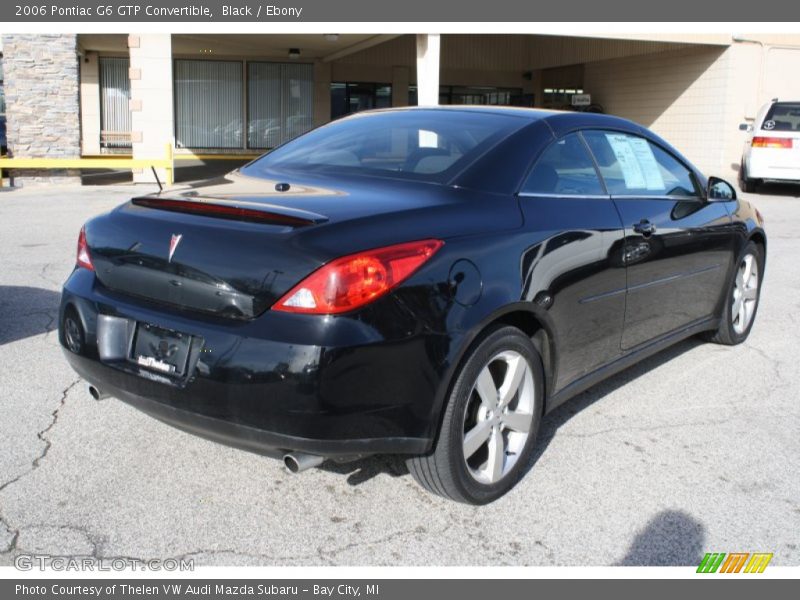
(719,190)
(745,127)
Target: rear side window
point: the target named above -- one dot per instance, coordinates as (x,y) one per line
(633,166)
(783,116)
(564,168)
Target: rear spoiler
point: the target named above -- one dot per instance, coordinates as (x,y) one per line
(253,212)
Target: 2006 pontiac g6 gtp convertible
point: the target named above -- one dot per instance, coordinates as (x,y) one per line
(427,282)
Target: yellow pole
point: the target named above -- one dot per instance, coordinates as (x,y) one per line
(170,165)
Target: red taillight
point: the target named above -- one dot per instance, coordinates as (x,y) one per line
(352,281)
(84,259)
(771,142)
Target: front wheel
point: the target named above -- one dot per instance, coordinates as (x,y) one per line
(490,423)
(741,302)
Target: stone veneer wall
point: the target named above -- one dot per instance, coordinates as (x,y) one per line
(42,109)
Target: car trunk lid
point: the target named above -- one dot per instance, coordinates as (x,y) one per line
(228,255)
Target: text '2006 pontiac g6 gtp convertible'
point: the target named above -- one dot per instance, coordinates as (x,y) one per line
(425,282)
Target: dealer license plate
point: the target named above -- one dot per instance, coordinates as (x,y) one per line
(161,350)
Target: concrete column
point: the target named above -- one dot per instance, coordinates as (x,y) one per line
(42,112)
(152,107)
(536,87)
(428,51)
(322,93)
(90,104)
(401,77)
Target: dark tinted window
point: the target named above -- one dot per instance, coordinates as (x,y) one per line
(565,167)
(425,145)
(633,166)
(349,98)
(783,116)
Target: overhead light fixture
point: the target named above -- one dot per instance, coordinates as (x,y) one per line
(206,51)
(332,37)
(294,53)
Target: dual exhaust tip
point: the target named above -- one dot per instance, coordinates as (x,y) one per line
(295,462)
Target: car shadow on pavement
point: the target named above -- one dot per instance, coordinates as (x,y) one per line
(778,189)
(26,311)
(364,469)
(671,538)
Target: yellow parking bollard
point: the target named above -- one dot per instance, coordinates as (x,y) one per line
(170,165)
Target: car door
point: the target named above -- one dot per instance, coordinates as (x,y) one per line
(677,247)
(569,267)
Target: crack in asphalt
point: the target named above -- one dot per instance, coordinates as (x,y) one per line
(97,542)
(44,277)
(775,364)
(12,544)
(328,554)
(41,435)
(653,428)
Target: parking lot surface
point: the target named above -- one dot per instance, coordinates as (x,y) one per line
(695,450)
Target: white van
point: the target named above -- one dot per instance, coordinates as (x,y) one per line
(772,150)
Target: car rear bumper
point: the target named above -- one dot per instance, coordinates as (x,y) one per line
(774,164)
(346,391)
(230,432)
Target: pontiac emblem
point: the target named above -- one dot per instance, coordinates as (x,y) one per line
(173,244)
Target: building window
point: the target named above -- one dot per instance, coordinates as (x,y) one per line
(492,96)
(210,110)
(280,100)
(209,107)
(485,95)
(559,97)
(348,98)
(115,94)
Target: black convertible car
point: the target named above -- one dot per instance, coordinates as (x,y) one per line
(426,282)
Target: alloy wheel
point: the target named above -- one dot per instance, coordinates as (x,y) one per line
(745,294)
(498,417)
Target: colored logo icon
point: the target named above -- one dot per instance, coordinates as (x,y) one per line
(734,562)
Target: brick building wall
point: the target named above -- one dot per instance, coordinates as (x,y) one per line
(680,94)
(42,110)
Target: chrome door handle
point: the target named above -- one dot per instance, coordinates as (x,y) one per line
(645,228)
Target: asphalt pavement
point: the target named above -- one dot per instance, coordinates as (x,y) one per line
(695,450)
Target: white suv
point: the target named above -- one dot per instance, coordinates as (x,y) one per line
(772,150)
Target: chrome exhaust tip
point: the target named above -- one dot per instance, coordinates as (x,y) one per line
(297,462)
(96,393)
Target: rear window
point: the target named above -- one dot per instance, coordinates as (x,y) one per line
(783,116)
(422,145)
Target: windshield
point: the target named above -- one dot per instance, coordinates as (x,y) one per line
(428,145)
(783,116)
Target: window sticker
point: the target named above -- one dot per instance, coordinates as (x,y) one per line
(635,157)
(647,162)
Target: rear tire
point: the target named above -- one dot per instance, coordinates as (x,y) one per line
(746,184)
(741,298)
(490,423)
